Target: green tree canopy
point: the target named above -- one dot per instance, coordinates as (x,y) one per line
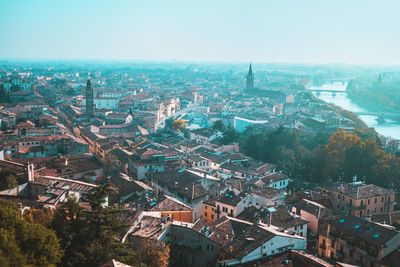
(89,238)
(7,180)
(23,243)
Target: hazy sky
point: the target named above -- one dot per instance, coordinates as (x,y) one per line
(314,31)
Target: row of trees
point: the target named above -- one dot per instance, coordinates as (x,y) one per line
(340,155)
(72,236)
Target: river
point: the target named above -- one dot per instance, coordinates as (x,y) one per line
(388,128)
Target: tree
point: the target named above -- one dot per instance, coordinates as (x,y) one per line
(7,180)
(89,237)
(219,126)
(179,125)
(39,216)
(4,95)
(154,254)
(169,123)
(111,164)
(23,243)
(229,136)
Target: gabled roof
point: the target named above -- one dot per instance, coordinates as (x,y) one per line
(168,203)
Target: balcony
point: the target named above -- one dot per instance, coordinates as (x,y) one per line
(357,208)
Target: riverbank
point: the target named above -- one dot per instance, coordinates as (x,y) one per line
(369,105)
(355,104)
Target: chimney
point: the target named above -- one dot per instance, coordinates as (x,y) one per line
(31,173)
(193,191)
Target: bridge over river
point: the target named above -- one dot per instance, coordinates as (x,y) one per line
(381,116)
(327,90)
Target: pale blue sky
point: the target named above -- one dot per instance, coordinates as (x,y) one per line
(306,31)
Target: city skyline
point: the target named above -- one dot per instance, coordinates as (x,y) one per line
(259,31)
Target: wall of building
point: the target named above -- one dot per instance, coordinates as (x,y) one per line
(209,215)
(276,245)
(362,207)
(190,248)
(183,216)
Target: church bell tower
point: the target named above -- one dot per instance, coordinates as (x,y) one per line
(250,79)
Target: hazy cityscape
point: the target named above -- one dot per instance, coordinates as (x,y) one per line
(170,133)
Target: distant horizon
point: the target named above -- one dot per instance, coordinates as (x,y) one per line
(192,62)
(228,31)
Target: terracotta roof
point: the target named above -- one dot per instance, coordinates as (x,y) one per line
(366,230)
(183,182)
(168,203)
(362,191)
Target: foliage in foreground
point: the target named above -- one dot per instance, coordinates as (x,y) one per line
(23,243)
(89,238)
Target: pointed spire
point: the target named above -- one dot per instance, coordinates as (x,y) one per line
(250,79)
(250,70)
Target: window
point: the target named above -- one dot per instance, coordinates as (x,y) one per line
(373,252)
(383,199)
(338,197)
(388,201)
(369,201)
(362,245)
(367,211)
(301,233)
(205,207)
(376,200)
(212,216)
(381,209)
(205,214)
(193,260)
